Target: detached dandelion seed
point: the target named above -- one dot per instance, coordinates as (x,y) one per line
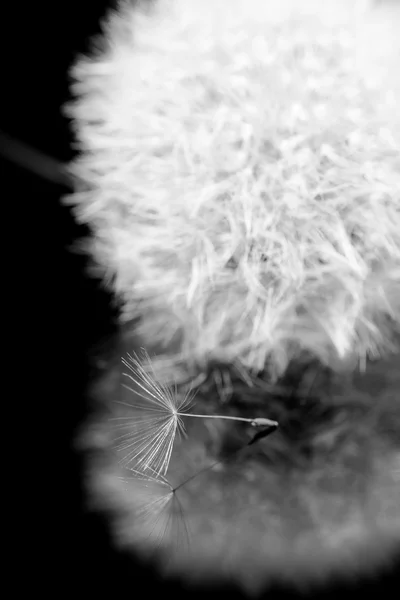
(147,435)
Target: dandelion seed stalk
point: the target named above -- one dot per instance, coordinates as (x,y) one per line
(256,422)
(148,435)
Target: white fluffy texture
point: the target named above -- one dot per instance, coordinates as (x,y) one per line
(240,169)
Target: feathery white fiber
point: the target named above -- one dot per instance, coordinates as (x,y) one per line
(240,171)
(146,436)
(239,167)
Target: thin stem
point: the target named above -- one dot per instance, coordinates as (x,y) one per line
(33,160)
(215,417)
(256,422)
(203,470)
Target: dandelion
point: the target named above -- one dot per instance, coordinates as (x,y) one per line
(147,435)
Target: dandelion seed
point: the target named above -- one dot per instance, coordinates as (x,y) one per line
(147,435)
(159,516)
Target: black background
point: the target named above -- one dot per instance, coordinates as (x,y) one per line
(60,314)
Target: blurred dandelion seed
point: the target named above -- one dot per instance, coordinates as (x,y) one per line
(147,436)
(159,516)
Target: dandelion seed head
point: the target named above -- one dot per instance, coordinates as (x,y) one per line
(151,417)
